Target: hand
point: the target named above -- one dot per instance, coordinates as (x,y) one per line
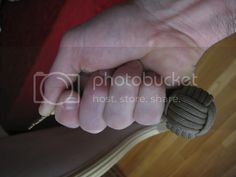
(166,41)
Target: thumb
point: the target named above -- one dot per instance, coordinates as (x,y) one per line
(61,77)
(97,45)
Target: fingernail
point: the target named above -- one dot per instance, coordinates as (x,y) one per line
(70,103)
(44,110)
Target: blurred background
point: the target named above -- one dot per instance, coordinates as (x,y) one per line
(212,155)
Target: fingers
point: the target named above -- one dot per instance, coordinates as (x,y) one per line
(150,106)
(94,113)
(93,103)
(119,113)
(67,112)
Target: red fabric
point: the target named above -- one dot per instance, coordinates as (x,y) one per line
(73,12)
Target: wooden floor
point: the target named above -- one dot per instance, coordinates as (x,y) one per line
(213,155)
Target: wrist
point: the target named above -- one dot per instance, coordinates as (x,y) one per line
(208,22)
(205,21)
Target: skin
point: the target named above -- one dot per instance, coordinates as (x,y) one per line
(155,36)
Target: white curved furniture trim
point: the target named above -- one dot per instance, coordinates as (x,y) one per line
(106,162)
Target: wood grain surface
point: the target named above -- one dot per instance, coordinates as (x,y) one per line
(212,155)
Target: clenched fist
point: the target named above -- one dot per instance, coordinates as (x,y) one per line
(145,37)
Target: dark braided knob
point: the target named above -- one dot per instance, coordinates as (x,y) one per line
(190,112)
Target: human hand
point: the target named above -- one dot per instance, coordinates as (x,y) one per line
(166,38)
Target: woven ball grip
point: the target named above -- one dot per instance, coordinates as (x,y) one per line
(192,113)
